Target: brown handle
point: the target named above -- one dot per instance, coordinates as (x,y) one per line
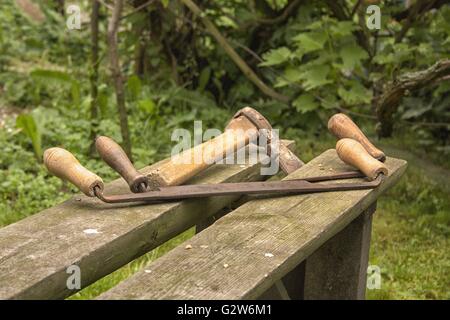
(288,161)
(353,153)
(342,126)
(64,165)
(117,159)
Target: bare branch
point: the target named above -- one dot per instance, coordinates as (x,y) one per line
(248,72)
(290,8)
(388,102)
(113,27)
(94,72)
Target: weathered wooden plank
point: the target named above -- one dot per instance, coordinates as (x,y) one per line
(243,199)
(244,253)
(338,269)
(99,238)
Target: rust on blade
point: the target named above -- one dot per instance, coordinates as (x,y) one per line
(295,186)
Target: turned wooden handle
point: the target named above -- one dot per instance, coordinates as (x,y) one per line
(116,158)
(342,126)
(183,166)
(64,165)
(353,153)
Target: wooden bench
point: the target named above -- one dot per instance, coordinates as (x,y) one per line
(305,246)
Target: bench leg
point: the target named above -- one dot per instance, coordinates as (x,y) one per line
(338,269)
(288,288)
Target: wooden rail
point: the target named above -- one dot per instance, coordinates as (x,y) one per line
(305,246)
(292,247)
(99,238)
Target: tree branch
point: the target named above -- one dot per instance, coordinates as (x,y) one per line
(94,73)
(388,102)
(413,13)
(248,72)
(290,8)
(113,27)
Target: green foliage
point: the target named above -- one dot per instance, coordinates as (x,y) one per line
(58,78)
(30,129)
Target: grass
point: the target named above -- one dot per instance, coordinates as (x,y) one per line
(410,240)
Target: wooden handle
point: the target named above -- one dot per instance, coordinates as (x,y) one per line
(116,158)
(183,166)
(64,165)
(353,153)
(342,126)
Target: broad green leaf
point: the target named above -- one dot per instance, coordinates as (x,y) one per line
(343,28)
(147,106)
(356,94)
(384,58)
(28,125)
(416,107)
(165,3)
(315,76)
(290,75)
(312,41)
(305,103)
(276,56)
(352,55)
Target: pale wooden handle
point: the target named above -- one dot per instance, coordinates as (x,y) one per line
(342,126)
(353,153)
(116,158)
(64,165)
(183,166)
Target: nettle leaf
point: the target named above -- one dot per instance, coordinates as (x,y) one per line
(384,58)
(312,41)
(315,76)
(352,55)
(276,56)
(343,28)
(290,75)
(305,103)
(356,94)
(415,113)
(416,108)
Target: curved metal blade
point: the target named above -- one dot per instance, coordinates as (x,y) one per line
(297,186)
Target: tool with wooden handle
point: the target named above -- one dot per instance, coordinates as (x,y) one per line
(245,126)
(64,165)
(116,158)
(342,126)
